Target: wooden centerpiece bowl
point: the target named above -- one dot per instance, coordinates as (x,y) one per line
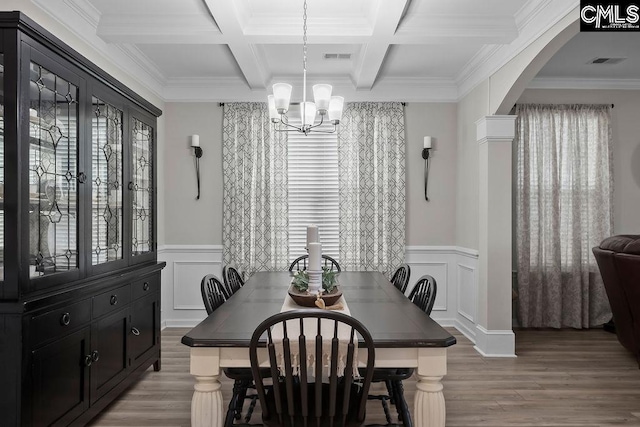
(305,299)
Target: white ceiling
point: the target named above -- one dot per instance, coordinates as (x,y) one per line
(573,59)
(235,49)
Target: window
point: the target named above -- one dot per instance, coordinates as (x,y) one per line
(313,188)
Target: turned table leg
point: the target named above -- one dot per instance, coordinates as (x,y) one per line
(429,407)
(206,404)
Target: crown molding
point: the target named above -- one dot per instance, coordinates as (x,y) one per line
(533,20)
(142,61)
(154,29)
(583,83)
(87,10)
(77,17)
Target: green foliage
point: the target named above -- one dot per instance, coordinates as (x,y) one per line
(301,280)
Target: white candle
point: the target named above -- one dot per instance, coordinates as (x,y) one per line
(427,142)
(195,140)
(315,255)
(312,234)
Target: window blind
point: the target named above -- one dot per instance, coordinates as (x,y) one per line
(313,188)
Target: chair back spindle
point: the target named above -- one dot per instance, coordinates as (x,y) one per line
(400,278)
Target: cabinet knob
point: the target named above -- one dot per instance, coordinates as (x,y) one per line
(145,286)
(82,177)
(88,360)
(95,356)
(113,300)
(132,186)
(65,319)
(135,331)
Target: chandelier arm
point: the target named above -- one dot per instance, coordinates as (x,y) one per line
(293,127)
(319,124)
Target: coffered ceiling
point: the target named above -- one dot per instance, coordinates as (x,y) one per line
(235,49)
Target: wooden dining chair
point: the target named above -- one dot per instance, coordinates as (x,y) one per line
(212,293)
(295,398)
(300,263)
(213,296)
(232,279)
(424,292)
(400,278)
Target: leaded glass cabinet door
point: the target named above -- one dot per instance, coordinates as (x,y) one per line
(142,190)
(55,179)
(107,183)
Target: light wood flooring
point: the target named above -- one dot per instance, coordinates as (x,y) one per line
(560,378)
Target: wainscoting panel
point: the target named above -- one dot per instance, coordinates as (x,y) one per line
(187,276)
(455,271)
(182,304)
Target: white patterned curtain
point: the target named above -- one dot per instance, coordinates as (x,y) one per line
(564,200)
(371,169)
(254,169)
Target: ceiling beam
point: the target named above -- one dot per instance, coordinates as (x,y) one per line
(374,51)
(228,18)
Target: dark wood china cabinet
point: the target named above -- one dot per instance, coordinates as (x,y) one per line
(79,277)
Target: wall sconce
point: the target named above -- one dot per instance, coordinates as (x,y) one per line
(195,143)
(426,157)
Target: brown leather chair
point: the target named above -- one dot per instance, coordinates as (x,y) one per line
(618,258)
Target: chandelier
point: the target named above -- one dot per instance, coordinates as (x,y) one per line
(324,105)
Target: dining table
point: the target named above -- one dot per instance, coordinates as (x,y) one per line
(404,337)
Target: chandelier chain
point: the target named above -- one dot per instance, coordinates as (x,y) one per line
(304,37)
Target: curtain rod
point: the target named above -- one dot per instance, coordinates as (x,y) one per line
(514,105)
(297,103)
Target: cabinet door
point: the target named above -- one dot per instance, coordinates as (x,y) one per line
(106,181)
(56,177)
(142,188)
(60,380)
(145,327)
(108,352)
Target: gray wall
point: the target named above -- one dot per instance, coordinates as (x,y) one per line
(191,222)
(625,121)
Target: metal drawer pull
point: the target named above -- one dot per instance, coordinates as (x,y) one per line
(65,319)
(113,300)
(135,331)
(87,360)
(145,287)
(95,355)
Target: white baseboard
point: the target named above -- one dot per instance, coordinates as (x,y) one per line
(495,343)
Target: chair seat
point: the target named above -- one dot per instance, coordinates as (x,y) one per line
(245,373)
(298,419)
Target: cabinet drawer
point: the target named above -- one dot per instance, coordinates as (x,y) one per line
(59,322)
(112,300)
(145,286)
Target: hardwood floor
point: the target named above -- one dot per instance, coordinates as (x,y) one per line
(560,378)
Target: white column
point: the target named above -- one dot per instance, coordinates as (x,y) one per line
(429,408)
(206,404)
(494,333)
